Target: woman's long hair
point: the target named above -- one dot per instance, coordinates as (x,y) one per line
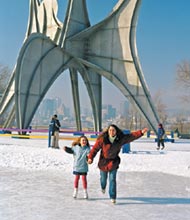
(104,134)
(77,142)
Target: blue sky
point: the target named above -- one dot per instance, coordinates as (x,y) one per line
(163,32)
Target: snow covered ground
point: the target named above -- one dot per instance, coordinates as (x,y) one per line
(36,182)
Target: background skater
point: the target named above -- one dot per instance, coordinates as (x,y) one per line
(55,127)
(160,137)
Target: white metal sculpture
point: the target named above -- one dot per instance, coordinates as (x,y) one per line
(107,49)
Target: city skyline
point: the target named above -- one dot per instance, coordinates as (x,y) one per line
(52,106)
(161,31)
(125,116)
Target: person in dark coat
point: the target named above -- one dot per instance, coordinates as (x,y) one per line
(55,128)
(160,137)
(110,143)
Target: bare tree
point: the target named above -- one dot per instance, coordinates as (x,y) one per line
(135,119)
(4,77)
(160,106)
(183,80)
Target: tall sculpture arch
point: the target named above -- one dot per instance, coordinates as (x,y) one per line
(107,49)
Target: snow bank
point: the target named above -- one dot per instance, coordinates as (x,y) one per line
(35,155)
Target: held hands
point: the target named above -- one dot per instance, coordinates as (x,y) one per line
(144,130)
(89,161)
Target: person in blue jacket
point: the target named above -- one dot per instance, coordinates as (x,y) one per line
(160,137)
(55,128)
(80,150)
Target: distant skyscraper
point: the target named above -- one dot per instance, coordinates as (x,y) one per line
(50,106)
(108,112)
(124,109)
(66,111)
(47,108)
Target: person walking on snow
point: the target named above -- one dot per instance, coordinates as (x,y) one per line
(80,149)
(110,143)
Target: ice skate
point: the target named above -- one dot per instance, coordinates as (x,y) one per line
(103,191)
(75,192)
(113,201)
(85,194)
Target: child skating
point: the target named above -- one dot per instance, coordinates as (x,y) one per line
(80,150)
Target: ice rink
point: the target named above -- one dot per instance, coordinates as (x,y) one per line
(36,183)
